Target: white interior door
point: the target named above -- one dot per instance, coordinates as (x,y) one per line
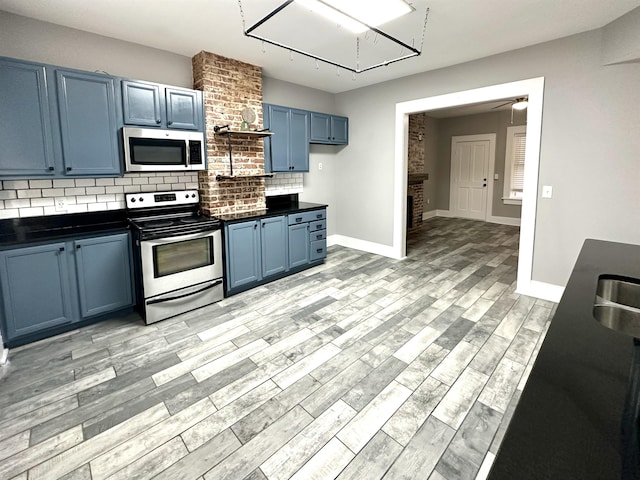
(470,159)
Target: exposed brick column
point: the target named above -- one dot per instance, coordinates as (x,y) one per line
(416,164)
(228,86)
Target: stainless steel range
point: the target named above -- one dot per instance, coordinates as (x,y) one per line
(178,253)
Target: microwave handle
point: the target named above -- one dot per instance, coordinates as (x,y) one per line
(187,157)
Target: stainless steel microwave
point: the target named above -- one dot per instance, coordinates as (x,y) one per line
(158,150)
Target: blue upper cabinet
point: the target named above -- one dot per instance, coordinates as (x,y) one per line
(182,109)
(88,123)
(141,103)
(26,145)
(287,150)
(153,105)
(329,129)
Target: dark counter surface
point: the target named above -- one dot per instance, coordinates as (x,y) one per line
(18,231)
(270,211)
(569,421)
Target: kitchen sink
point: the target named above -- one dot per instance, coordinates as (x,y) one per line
(619,290)
(617,304)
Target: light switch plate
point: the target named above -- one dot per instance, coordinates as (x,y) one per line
(547,191)
(496,176)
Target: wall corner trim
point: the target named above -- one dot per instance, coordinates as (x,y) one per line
(363,245)
(542,290)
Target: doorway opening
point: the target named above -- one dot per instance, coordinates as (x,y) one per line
(533,89)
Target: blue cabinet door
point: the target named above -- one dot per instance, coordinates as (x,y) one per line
(141,103)
(88,123)
(182,109)
(277,147)
(26,146)
(299,143)
(298,245)
(35,288)
(339,130)
(320,127)
(273,245)
(243,254)
(103,267)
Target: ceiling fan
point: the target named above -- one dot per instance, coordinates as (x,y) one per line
(517,104)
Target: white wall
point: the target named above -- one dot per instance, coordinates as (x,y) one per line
(29,39)
(319,185)
(589,147)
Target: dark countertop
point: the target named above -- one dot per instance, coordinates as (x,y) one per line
(271,211)
(568,422)
(18,231)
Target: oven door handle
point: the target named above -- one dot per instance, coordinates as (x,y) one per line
(161,300)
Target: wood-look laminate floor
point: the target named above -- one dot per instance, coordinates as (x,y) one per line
(362,368)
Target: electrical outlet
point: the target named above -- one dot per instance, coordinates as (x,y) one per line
(319,165)
(547,191)
(61,205)
(496,176)
(428,201)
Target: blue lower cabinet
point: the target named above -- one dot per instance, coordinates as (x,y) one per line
(298,245)
(243,254)
(36,289)
(103,266)
(47,287)
(273,241)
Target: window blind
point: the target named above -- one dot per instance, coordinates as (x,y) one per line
(517,167)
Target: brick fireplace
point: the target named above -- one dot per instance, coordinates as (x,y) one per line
(228,86)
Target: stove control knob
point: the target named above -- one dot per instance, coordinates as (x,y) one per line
(193,195)
(141,199)
(133,200)
(186,196)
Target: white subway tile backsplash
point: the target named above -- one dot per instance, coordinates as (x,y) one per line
(40,183)
(115,189)
(74,191)
(106,198)
(64,183)
(34,193)
(95,207)
(21,203)
(103,182)
(38,196)
(42,202)
(86,199)
(53,192)
(9,213)
(8,194)
(15,184)
(31,212)
(85,182)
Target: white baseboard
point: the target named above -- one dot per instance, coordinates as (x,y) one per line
(363,245)
(430,214)
(542,290)
(505,220)
(501,220)
(4,355)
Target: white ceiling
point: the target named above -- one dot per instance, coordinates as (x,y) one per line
(457,31)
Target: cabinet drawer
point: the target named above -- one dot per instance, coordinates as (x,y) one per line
(319,225)
(307,216)
(318,235)
(318,250)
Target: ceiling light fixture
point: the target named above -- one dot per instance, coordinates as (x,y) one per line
(520,104)
(356,16)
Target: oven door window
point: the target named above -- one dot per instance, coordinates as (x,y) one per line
(176,257)
(160,151)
